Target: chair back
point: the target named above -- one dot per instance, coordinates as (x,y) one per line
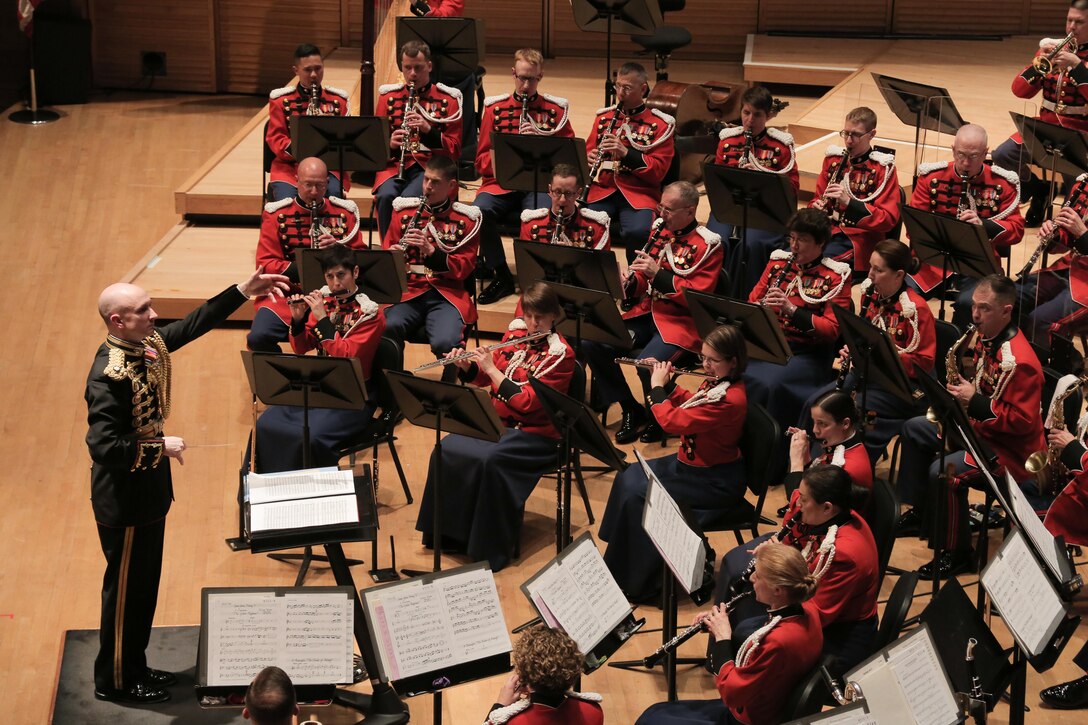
(807,697)
(388,356)
(895,611)
(758,443)
(577,387)
(882,515)
(268,156)
(947,334)
(724,283)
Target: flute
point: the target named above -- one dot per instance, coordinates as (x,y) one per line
(468,354)
(646,364)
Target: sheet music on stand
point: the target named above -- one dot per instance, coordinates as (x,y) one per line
(299,499)
(906,683)
(575,592)
(1050,550)
(856,713)
(1029,603)
(462,637)
(680,547)
(308,632)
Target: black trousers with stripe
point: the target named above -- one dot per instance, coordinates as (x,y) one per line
(130,590)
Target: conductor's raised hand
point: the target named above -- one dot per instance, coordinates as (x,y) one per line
(260,284)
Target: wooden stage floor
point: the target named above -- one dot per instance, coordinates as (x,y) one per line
(73,239)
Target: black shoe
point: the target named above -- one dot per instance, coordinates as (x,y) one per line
(652,433)
(950,564)
(141,693)
(501,286)
(1040,192)
(1067,696)
(631,425)
(160,678)
(910,523)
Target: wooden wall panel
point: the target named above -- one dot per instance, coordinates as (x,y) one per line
(121,29)
(865,16)
(1047,17)
(510,24)
(966,17)
(257,39)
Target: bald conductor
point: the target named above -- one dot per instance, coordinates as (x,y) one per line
(128,401)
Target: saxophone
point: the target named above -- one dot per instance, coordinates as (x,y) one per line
(1047,464)
(951,370)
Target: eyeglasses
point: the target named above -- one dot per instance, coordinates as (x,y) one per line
(968,157)
(662,209)
(854,134)
(624,87)
(561,194)
(712,360)
(527,79)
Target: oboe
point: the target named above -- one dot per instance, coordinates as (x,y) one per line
(468,354)
(629,282)
(673,644)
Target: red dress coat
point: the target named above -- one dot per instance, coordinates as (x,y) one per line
(289,101)
(647,133)
(352,327)
(1065,94)
(708,421)
(690,259)
(772,151)
(873,209)
(1068,514)
(756,685)
(909,321)
(455,232)
(996,196)
(285,227)
(587,228)
(440,105)
(813,289)
(1075,261)
(576,708)
(850,456)
(544,115)
(548,359)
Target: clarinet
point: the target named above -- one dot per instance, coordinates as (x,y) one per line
(841,172)
(629,282)
(673,644)
(741,587)
(596,168)
(1047,241)
(780,275)
(409,104)
(746,150)
(847,362)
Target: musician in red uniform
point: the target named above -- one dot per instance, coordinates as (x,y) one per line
(756,146)
(890,305)
(800,286)
(430,126)
(440,239)
(485,485)
(1058,295)
(755,679)
(706,473)
(973,192)
(822,524)
(859,189)
(999,380)
(632,145)
(308,220)
(290,101)
(836,428)
(523,112)
(565,222)
(680,254)
(547,665)
(340,321)
(438,8)
(1064,103)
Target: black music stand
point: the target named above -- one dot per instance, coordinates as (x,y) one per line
(743,198)
(305,381)
(525,163)
(580,430)
(382,273)
(449,408)
(595,269)
(630,17)
(946,242)
(873,358)
(913,104)
(759,325)
(1052,148)
(589,315)
(456,44)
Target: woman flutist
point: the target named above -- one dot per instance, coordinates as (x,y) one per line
(706,473)
(485,485)
(754,679)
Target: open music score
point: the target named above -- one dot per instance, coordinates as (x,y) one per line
(306,632)
(300,499)
(425,627)
(577,593)
(906,683)
(680,547)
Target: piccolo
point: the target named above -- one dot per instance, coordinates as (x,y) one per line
(470,353)
(649,365)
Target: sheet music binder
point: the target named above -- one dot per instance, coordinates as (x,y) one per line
(450,672)
(692,578)
(856,713)
(1048,548)
(601,647)
(243,602)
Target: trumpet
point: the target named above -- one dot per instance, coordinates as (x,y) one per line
(1045,63)
(410,144)
(1047,464)
(496,346)
(647,365)
(613,124)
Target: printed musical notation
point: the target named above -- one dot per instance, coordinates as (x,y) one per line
(1021,591)
(425,626)
(309,635)
(680,547)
